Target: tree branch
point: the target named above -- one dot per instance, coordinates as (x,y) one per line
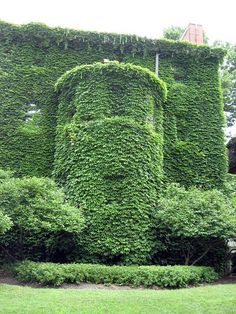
(201,256)
(6,251)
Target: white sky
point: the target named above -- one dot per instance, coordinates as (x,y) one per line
(144,18)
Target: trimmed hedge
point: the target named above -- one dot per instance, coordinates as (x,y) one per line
(162,276)
(109,156)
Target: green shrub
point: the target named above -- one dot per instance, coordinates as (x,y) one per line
(41,219)
(5,175)
(162,276)
(5,223)
(197,222)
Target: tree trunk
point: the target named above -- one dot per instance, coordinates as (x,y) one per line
(201,256)
(21,244)
(187,256)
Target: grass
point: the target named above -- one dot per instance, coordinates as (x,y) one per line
(208,299)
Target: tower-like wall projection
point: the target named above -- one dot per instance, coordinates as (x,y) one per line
(109,156)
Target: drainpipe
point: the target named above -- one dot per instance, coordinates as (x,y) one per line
(157,64)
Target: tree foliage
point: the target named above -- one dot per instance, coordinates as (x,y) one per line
(228,78)
(173,32)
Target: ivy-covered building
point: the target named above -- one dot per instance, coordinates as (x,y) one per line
(33,57)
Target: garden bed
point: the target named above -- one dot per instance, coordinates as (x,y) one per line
(162,276)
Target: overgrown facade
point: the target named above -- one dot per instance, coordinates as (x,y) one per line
(33,57)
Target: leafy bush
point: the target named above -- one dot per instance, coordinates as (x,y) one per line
(40,216)
(5,223)
(162,276)
(5,175)
(195,220)
(230,188)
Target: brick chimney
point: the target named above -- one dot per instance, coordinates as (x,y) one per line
(193,34)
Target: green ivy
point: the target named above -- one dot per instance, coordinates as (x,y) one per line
(109,156)
(194,150)
(34,56)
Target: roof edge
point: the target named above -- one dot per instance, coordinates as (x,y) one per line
(44,36)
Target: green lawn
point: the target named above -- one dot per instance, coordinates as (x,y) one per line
(209,299)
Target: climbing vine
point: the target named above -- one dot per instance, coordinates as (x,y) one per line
(34,56)
(109,156)
(194,150)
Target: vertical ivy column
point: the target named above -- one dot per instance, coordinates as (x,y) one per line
(109,156)
(194,150)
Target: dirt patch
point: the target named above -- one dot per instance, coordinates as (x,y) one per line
(227,280)
(98,286)
(7,278)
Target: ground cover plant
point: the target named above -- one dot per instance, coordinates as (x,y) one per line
(162,276)
(214,299)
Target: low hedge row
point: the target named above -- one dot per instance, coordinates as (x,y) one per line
(162,276)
